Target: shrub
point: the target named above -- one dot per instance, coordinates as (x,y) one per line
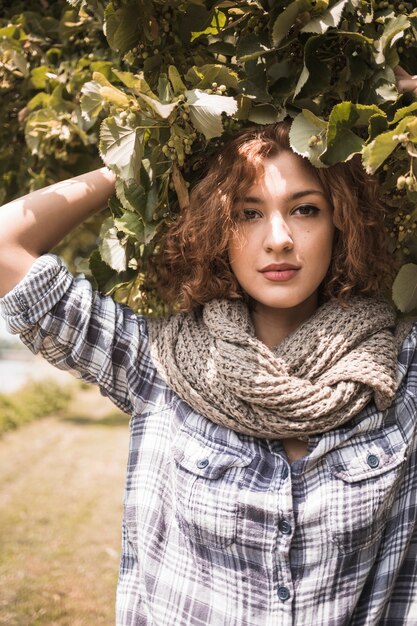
(33,401)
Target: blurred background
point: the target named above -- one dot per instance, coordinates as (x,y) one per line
(63,453)
(63,447)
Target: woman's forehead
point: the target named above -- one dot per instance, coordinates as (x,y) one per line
(285,173)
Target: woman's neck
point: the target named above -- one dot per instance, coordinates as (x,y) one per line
(273,325)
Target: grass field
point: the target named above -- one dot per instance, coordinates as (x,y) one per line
(61,491)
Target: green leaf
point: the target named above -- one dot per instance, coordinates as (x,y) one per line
(122,26)
(387,92)
(412,130)
(342,141)
(131,224)
(41,100)
(403,112)
(107,279)
(303,128)
(103,67)
(38,125)
(286,20)
(40,76)
(91,101)
(377,124)
(112,251)
(140,87)
(376,152)
(250,47)
(12,32)
(176,80)
(217,23)
(206,111)
(330,18)
(135,82)
(222,47)
(141,201)
(217,73)
(131,194)
(109,92)
(114,96)
(394,28)
(194,75)
(266,114)
(302,79)
(195,19)
(12,58)
(404,289)
(163,110)
(315,70)
(121,148)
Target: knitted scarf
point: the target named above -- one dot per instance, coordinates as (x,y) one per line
(316,379)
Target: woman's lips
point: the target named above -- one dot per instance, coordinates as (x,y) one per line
(279,275)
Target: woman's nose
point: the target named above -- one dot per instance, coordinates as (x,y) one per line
(278,235)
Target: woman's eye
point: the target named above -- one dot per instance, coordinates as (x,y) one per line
(249,214)
(308,209)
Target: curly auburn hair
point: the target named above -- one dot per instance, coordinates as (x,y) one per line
(192,265)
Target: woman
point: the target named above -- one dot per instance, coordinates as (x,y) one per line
(272,465)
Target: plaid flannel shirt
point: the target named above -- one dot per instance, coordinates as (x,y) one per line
(218,528)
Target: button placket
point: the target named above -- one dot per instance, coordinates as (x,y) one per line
(284,536)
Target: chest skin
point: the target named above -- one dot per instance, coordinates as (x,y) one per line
(294,448)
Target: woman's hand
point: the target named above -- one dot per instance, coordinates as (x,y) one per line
(404,80)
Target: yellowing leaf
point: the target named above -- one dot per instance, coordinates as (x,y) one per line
(109,92)
(115,96)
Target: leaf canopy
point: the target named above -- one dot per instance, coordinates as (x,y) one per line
(156,87)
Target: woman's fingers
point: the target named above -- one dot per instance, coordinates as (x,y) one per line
(404,80)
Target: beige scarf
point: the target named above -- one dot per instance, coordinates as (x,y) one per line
(316,379)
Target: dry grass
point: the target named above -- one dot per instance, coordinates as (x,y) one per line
(61,491)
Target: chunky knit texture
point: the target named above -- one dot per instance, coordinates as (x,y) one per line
(316,379)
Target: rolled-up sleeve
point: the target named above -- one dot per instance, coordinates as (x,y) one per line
(80,330)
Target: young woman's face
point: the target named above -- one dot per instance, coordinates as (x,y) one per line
(285,218)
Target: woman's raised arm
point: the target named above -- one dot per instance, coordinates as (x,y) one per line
(35,223)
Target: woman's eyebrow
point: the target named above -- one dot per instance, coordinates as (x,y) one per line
(293,196)
(306,192)
(253,200)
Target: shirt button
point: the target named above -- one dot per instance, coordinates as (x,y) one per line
(202,463)
(372,460)
(283,593)
(284,527)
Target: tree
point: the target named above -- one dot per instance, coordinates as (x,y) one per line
(173,79)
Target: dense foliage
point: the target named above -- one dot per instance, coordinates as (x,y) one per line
(172,79)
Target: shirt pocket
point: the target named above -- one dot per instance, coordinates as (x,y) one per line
(207,478)
(365,478)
